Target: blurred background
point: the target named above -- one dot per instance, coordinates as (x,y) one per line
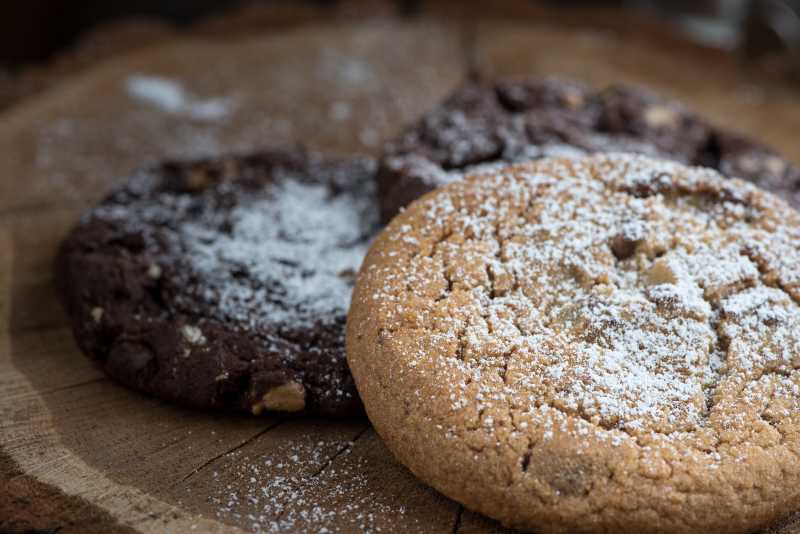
(31,31)
(45,41)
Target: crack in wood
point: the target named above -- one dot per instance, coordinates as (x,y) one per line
(58,389)
(42,328)
(229,451)
(347,446)
(457,521)
(163,447)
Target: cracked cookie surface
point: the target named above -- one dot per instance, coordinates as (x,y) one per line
(225,283)
(608,343)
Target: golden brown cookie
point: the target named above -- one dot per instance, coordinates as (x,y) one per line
(602,344)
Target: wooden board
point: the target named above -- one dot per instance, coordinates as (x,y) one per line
(116,458)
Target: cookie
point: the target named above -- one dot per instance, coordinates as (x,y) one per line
(515,121)
(599,344)
(225,283)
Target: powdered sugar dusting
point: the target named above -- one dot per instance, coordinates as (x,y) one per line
(322,486)
(283,254)
(170,96)
(637,295)
(299,239)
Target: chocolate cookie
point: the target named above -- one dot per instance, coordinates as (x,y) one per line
(521,120)
(225,283)
(600,344)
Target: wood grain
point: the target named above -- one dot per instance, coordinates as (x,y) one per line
(154,466)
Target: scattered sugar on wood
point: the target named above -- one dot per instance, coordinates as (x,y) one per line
(170,96)
(306,492)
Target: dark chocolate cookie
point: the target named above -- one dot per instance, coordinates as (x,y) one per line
(225,283)
(514,121)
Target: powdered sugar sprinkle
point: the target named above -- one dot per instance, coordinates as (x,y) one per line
(648,340)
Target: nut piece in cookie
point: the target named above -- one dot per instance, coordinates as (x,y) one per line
(288,397)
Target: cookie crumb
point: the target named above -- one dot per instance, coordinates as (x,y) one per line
(222,376)
(97,314)
(154,271)
(661,117)
(193,335)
